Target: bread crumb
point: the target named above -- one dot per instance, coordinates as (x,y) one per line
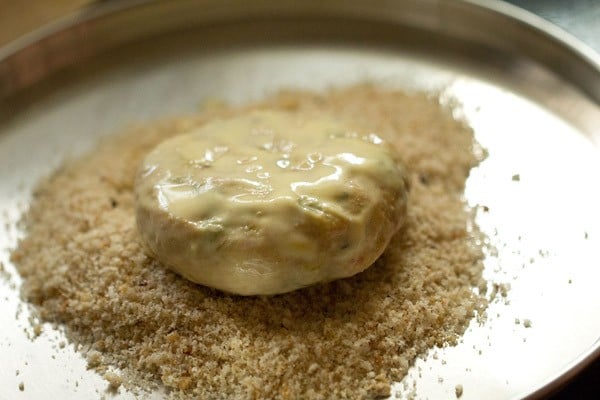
(94,358)
(527,323)
(37,330)
(499,288)
(184,383)
(114,380)
(83,266)
(458,390)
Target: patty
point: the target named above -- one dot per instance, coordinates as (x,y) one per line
(270,201)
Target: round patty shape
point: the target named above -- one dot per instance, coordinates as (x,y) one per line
(270,201)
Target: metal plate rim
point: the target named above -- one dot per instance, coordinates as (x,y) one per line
(552,33)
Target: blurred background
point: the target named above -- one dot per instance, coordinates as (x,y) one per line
(17,17)
(581,18)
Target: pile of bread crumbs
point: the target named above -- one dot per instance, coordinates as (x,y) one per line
(84,268)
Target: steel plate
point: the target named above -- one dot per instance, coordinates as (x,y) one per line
(531,93)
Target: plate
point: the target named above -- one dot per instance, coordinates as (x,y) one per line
(530,91)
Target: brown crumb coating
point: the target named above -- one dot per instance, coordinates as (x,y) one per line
(83,266)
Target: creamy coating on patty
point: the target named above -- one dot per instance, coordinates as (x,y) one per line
(270,201)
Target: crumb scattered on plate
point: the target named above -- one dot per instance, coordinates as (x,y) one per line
(458,390)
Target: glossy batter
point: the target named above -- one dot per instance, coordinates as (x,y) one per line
(269,202)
